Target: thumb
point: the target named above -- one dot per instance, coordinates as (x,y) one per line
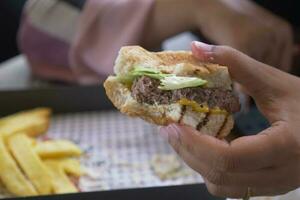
(254,76)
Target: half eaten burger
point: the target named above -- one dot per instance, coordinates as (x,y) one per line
(173,87)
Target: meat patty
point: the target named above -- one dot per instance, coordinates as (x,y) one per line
(145,90)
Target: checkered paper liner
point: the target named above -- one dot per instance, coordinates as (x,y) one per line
(118,150)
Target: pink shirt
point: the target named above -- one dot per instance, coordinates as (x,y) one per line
(83,47)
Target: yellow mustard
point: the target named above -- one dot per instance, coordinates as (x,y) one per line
(201,107)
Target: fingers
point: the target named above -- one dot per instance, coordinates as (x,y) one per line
(241,191)
(238,156)
(262,177)
(242,68)
(240,65)
(203,147)
(232,178)
(259,151)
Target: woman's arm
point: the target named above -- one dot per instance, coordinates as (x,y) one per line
(241,24)
(251,29)
(170,17)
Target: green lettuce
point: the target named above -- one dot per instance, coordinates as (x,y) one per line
(146,70)
(168,81)
(179,82)
(141,71)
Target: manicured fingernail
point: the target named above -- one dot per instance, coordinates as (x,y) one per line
(204,47)
(170,131)
(203,51)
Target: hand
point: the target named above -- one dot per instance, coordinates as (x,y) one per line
(268,162)
(251,29)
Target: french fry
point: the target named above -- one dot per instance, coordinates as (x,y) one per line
(33,122)
(21,148)
(61,182)
(30,167)
(32,126)
(57,149)
(39,112)
(72,167)
(11,176)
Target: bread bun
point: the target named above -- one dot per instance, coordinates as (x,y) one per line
(180,63)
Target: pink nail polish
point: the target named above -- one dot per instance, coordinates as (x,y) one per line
(173,131)
(202,46)
(170,131)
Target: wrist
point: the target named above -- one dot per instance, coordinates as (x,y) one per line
(204,10)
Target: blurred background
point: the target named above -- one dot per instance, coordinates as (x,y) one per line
(10,15)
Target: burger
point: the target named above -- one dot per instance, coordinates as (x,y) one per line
(173,87)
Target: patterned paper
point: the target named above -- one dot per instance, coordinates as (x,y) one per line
(118,150)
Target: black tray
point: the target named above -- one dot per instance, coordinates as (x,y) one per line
(60,99)
(90,98)
(186,192)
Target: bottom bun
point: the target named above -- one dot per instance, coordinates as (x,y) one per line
(217,125)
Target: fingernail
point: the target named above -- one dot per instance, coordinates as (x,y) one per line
(170,131)
(203,51)
(204,47)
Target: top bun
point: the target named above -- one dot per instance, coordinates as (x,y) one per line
(181,63)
